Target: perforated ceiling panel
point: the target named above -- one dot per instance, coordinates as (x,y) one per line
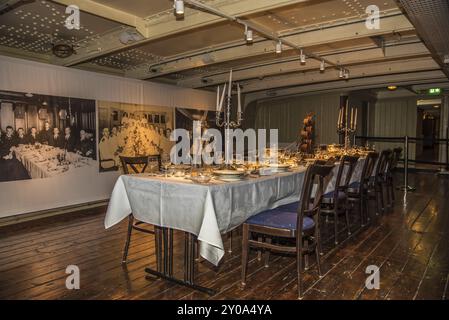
(35,26)
(431,20)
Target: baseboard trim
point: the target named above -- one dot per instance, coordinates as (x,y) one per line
(50,212)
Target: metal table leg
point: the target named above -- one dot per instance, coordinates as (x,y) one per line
(164,256)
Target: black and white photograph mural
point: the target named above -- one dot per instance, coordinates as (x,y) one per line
(132,130)
(45,136)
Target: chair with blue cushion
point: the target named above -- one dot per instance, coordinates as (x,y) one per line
(300,223)
(138,165)
(376,185)
(335,203)
(358,190)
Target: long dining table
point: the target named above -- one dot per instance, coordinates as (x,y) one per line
(203,211)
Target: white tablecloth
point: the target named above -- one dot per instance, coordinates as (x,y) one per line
(206,211)
(43,163)
(356,175)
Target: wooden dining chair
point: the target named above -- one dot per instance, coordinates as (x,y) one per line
(301,224)
(138,165)
(335,203)
(358,190)
(376,186)
(389,174)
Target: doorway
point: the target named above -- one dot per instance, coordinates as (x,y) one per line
(428,130)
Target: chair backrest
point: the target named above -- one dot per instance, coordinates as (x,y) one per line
(381,164)
(139,164)
(368,167)
(315,175)
(396,156)
(347,163)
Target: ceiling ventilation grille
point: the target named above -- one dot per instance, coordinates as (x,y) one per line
(431,20)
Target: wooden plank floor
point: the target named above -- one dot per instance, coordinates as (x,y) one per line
(410,245)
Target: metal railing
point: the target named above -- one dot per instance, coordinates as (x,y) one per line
(406,140)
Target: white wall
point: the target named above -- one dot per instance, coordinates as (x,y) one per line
(395,118)
(19,75)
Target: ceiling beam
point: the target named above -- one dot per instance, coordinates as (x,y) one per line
(347,57)
(20,53)
(109,13)
(402,79)
(167,25)
(240,50)
(358,71)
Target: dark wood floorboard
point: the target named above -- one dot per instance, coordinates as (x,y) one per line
(409,244)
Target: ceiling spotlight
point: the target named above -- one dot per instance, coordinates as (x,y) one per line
(341,73)
(179,7)
(28,95)
(392,88)
(248,34)
(279,47)
(302,57)
(322,66)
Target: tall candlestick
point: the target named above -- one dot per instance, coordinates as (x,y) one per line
(339,117)
(352,118)
(230,84)
(346,112)
(218,99)
(239,109)
(355,120)
(222,98)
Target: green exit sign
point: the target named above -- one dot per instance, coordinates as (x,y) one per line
(434,91)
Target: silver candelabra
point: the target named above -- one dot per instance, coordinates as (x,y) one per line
(346,125)
(226,122)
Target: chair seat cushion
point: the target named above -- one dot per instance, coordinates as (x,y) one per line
(291,207)
(280,219)
(354,187)
(329,195)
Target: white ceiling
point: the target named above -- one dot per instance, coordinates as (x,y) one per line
(200,48)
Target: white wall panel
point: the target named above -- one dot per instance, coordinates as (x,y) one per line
(25,196)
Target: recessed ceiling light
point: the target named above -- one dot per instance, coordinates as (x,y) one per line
(279,47)
(28,95)
(392,88)
(179,7)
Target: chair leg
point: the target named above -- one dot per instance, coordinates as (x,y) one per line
(259,252)
(230,241)
(392,190)
(306,256)
(336,225)
(317,252)
(267,253)
(128,238)
(245,249)
(382,201)
(377,202)
(299,265)
(361,211)
(348,228)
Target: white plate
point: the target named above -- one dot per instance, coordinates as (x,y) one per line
(230,179)
(229,173)
(279,165)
